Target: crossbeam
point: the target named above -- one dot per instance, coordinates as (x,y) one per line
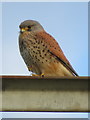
(26,93)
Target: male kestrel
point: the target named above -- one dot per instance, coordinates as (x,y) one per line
(41,53)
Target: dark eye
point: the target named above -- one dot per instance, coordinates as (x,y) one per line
(29,27)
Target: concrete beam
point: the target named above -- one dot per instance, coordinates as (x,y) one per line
(25,93)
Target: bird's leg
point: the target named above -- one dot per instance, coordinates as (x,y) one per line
(42,75)
(30,68)
(35,75)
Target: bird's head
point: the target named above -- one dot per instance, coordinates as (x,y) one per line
(30,26)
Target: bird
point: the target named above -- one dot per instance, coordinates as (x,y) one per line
(41,53)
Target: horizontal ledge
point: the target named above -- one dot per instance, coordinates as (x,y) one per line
(11,83)
(33,77)
(26,93)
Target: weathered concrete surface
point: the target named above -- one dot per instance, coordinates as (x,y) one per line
(44,94)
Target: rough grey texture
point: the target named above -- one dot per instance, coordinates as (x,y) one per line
(37,94)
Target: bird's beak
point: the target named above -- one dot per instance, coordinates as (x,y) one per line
(22,30)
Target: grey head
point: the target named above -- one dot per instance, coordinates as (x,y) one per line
(31,26)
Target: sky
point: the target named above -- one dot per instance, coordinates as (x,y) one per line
(44,115)
(67,22)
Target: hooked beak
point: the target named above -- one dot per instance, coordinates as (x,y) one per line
(22,30)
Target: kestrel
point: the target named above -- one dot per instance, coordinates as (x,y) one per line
(41,52)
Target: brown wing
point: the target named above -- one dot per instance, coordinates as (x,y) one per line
(55,50)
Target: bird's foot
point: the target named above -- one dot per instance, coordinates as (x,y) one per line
(35,75)
(42,75)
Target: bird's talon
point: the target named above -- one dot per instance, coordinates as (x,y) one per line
(35,75)
(42,75)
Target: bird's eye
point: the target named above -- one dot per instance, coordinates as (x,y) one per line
(29,27)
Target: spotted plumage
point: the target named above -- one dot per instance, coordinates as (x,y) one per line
(41,53)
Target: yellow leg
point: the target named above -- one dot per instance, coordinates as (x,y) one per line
(30,68)
(35,75)
(42,75)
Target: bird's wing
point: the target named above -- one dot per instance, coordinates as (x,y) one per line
(55,50)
